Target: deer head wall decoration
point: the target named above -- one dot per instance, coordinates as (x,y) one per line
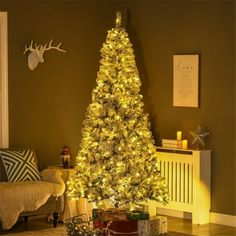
(36,54)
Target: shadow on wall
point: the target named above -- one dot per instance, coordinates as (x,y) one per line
(143,73)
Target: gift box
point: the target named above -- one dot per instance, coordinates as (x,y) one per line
(152,227)
(109,214)
(121,214)
(98,224)
(97,213)
(138,215)
(122,227)
(114,214)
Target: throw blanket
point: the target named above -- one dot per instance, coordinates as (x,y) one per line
(18,197)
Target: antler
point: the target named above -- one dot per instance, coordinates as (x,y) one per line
(30,48)
(45,47)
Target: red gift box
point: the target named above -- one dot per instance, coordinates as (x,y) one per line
(97,224)
(122,227)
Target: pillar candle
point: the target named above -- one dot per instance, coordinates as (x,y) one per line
(179,135)
(185,144)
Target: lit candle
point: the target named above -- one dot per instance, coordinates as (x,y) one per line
(185,144)
(179,135)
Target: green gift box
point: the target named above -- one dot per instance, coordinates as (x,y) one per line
(97,213)
(138,215)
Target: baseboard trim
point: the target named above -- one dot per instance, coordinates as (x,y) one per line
(215,218)
(223,219)
(174,213)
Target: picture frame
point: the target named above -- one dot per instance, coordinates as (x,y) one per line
(186,80)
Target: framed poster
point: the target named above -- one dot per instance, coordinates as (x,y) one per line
(186,80)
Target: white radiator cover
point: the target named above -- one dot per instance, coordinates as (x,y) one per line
(188,177)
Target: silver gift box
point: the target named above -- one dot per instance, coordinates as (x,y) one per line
(153,227)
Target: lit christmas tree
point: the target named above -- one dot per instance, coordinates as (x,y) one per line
(117,160)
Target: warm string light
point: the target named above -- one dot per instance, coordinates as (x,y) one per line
(117,162)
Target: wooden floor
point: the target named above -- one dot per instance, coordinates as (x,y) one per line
(186,227)
(176,227)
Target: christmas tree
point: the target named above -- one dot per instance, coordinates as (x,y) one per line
(117,159)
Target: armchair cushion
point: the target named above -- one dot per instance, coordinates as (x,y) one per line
(19,197)
(20,165)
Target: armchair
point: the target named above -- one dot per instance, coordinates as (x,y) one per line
(22,181)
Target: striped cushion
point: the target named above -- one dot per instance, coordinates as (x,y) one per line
(20,165)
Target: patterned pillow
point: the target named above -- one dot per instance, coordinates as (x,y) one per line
(20,165)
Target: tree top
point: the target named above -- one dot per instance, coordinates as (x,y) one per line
(118,19)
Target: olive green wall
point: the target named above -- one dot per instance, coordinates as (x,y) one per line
(48,104)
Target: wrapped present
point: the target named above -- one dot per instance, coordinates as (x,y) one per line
(152,227)
(97,213)
(122,227)
(109,214)
(102,217)
(98,224)
(121,214)
(138,215)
